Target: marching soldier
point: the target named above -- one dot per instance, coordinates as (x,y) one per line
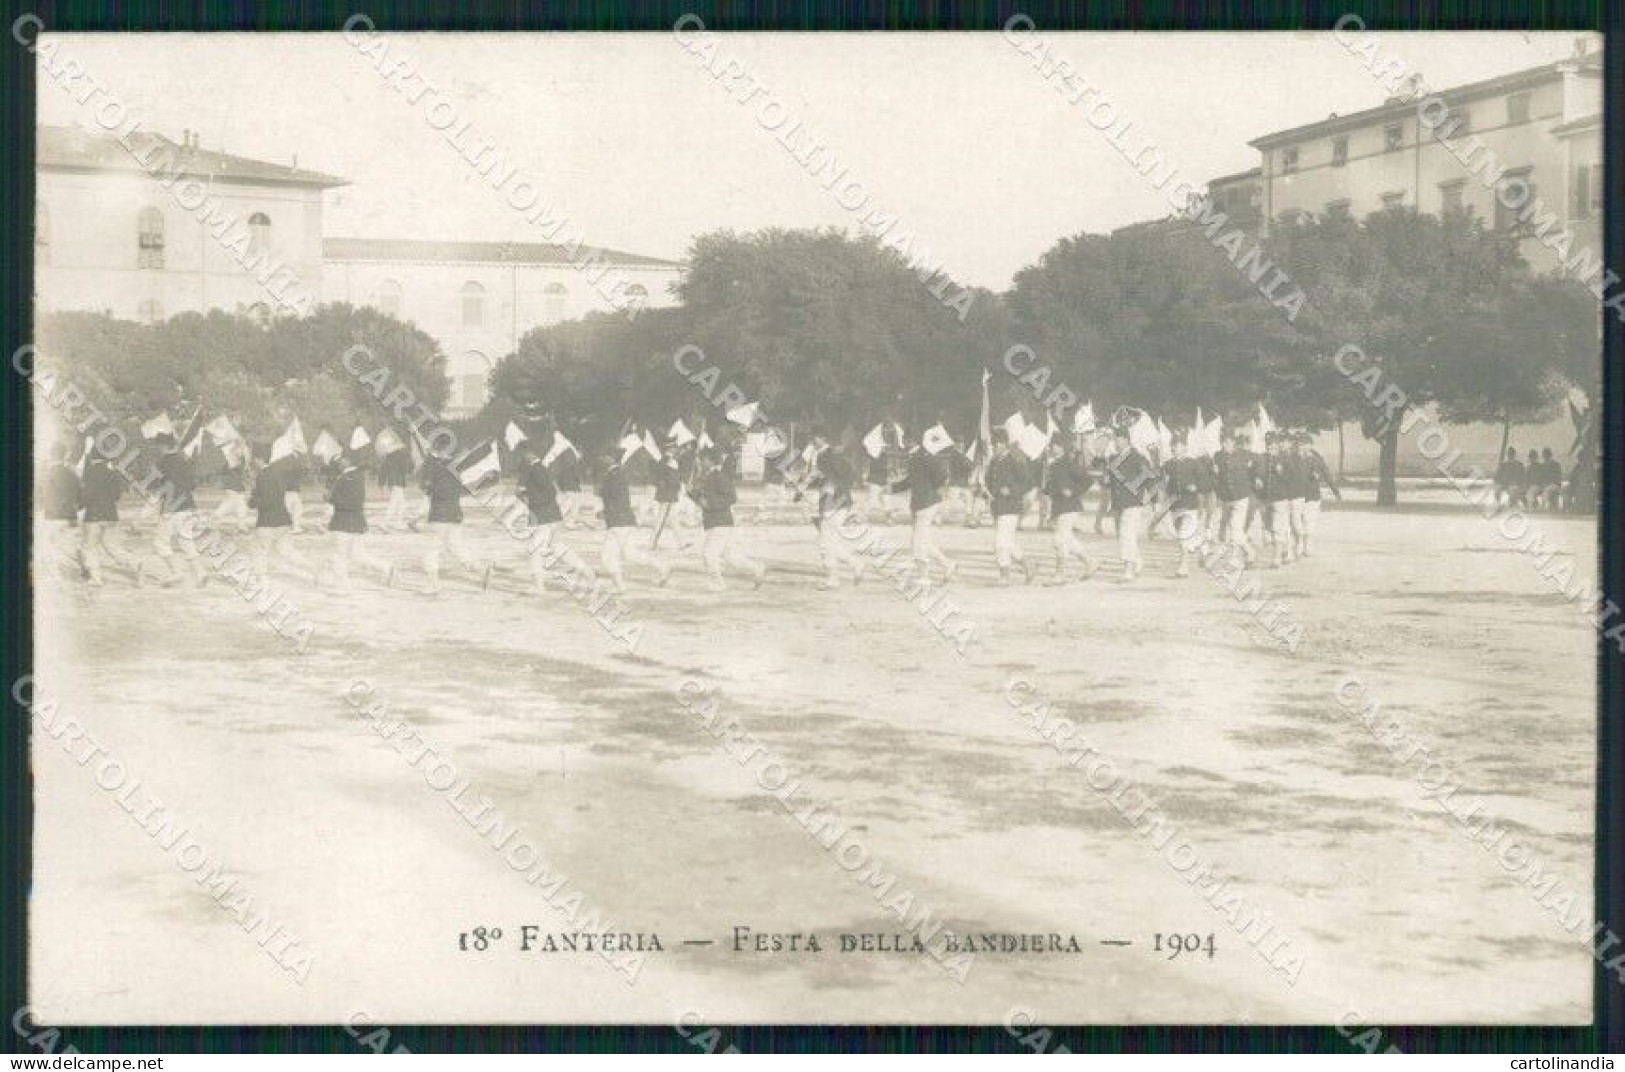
(273,524)
(923,483)
(348,496)
(621,526)
(1009,478)
(1133,484)
(1068,482)
(1189,480)
(1234,481)
(1316,476)
(395,473)
(176,506)
(102,489)
(540,494)
(836,478)
(445,491)
(233,507)
(61,496)
(1275,492)
(668,493)
(715,494)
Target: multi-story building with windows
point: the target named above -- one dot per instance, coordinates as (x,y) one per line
(1523,151)
(151,227)
(155,227)
(479,298)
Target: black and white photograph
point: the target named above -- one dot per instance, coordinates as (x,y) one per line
(692,528)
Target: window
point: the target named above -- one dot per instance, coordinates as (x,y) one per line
(388,298)
(1450,196)
(259,233)
(42,233)
(150,241)
(1393,137)
(150,311)
(260,313)
(1340,208)
(1518,108)
(1514,197)
(555,299)
(1340,152)
(473,305)
(1586,201)
(1289,160)
(1393,199)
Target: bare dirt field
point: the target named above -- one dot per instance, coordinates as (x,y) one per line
(1393,911)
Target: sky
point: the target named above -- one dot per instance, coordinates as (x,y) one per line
(632,140)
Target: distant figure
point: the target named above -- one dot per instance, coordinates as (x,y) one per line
(1511,480)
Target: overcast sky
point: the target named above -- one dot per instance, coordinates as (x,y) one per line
(633,141)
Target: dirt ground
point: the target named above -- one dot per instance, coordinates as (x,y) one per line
(1397,914)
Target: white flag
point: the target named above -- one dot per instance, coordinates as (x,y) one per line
(745,415)
(1084,419)
(289,443)
(512,436)
(359,439)
(387,443)
(773,443)
(651,446)
(479,464)
(875,441)
(222,431)
(680,434)
(1213,437)
(630,444)
(704,442)
(936,439)
(1014,427)
(1142,434)
(159,425)
(1165,438)
(560,445)
(1033,441)
(326,447)
(1265,425)
(1255,436)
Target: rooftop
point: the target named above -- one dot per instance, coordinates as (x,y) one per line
(76,149)
(412,249)
(1589,64)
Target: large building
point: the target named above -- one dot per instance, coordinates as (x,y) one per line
(1523,151)
(479,298)
(151,227)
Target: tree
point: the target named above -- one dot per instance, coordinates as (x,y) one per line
(1442,308)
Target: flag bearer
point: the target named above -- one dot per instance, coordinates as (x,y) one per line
(1316,476)
(1009,478)
(102,488)
(1188,481)
(923,482)
(1275,489)
(715,494)
(621,526)
(1234,479)
(540,494)
(445,491)
(395,473)
(835,513)
(348,525)
(1068,481)
(273,524)
(176,513)
(61,495)
(1133,484)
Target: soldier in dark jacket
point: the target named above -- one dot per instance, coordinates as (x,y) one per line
(1511,480)
(445,491)
(536,488)
(1188,481)
(348,495)
(926,477)
(670,512)
(1275,488)
(1133,481)
(621,526)
(273,524)
(60,497)
(836,479)
(395,473)
(177,523)
(1009,478)
(1234,474)
(1067,481)
(102,488)
(714,492)
(1315,477)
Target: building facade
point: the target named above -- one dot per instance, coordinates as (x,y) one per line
(1522,151)
(149,228)
(157,227)
(479,298)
